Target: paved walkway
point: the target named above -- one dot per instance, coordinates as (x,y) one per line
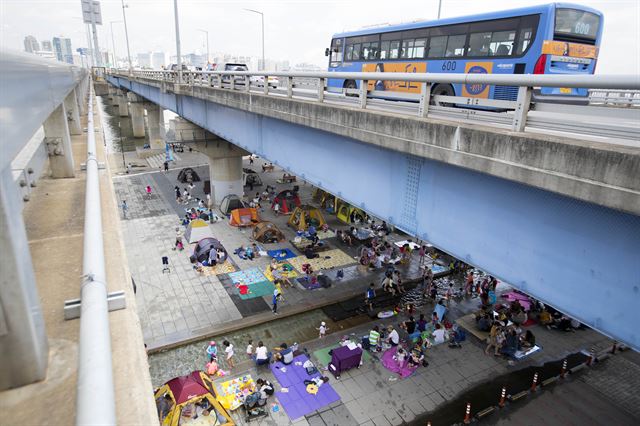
(185,305)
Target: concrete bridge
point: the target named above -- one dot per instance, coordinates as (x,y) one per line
(555,215)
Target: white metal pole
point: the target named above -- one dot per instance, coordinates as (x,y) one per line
(95,369)
(94,31)
(89,65)
(207,34)
(126,35)
(264,65)
(113,43)
(178,53)
(439,8)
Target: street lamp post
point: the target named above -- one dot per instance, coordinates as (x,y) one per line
(439,8)
(262,19)
(207,33)
(179,54)
(126,34)
(113,43)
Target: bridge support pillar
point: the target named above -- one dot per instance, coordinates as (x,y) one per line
(155,121)
(123,104)
(58,140)
(137,115)
(24,355)
(225,167)
(73,113)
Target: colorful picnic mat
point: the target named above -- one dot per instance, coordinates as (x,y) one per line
(281,254)
(324,358)
(231,393)
(251,283)
(327,260)
(285,270)
(404,370)
(224,268)
(296,401)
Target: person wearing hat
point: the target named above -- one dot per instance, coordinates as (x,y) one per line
(322,330)
(212,350)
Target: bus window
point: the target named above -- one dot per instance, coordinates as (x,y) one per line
(394,49)
(502,43)
(355,55)
(373,51)
(437,46)
(349,53)
(526,33)
(366,51)
(576,25)
(455,45)
(479,44)
(419,47)
(384,50)
(336,52)
(407,49)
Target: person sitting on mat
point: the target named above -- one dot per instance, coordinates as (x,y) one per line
(318,381)
(265,388)
(528,340)
(309,367)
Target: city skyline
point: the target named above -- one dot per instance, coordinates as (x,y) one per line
(232,29)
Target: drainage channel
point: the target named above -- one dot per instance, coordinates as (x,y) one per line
(182,360)
(479,404)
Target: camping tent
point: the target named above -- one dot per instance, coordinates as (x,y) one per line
(305,216)
(184,391)
(250,177)
(267,232)
(349,214)
(244,217)
(327,200)
(188,175)
(288,201)
(197,230)
(229,203)
(202,249)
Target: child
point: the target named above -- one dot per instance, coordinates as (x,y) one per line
(369,296)
(322,330)
(399,357)
(449,294)
(250,349)
(212,350)
(148,190)
(422,253)
(228,349)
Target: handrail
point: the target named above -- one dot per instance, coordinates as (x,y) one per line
(605,81)
(95,398)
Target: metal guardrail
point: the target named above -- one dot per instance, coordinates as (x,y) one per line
(513,115)
(621,98)
(95,394)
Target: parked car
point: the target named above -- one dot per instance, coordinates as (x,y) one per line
(272,81)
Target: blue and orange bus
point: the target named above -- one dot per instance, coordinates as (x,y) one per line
(557,38)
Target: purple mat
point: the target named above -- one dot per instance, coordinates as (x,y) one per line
(298,402)
(392,365)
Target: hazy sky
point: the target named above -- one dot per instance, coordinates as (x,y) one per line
(297,30)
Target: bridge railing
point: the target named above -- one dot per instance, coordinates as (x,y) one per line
(413,89)
(621,98)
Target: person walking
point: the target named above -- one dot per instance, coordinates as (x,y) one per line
(228,349)
(274,301)
(125,208)
(166,166)
(148,191)
(322,330)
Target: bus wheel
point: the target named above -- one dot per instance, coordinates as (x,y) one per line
(350,85)
(442,90)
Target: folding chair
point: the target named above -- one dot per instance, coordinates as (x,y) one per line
(165,264)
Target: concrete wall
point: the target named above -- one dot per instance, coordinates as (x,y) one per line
(564,251)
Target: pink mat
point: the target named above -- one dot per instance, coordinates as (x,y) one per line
(524,300)
(391,364)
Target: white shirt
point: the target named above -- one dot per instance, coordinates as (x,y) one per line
(229,351)
(394,337)
(261,352)
(438,335)
(323,329)
(249,349)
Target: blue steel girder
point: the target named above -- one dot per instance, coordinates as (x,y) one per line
(581,258)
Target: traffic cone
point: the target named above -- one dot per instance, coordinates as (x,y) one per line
(615,346)
(563,370)
(592,356)
(467,416)
(503,397)
(534,385)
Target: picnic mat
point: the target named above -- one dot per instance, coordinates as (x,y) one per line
(251,283)
(231,393)
(324,358)
(392,365)
(523,299)
(303,243)
(306,283)
(281,254)
(438,269)
(296,401)
(327,260)
(326,234)
(285,269)
(224,268)
(468,322)
(524,354)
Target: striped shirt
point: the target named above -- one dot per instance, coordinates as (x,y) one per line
(374,337)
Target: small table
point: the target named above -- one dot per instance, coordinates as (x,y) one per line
(343,359)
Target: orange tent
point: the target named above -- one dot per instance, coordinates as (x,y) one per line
(244,217)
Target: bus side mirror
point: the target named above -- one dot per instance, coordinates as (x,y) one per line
(326,52)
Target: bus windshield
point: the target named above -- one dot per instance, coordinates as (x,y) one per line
(572,23)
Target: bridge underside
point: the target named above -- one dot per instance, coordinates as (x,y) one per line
(578,257)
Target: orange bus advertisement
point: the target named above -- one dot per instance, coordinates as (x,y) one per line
(575,50)
(477,90)
(395,86)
